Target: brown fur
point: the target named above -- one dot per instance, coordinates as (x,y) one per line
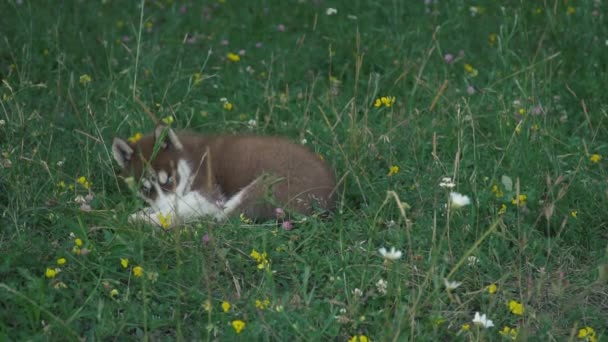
(294,177)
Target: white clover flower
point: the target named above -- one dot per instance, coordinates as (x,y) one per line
(252,123)
(451,285)
(381,286)
(446,182)
(331,11)
(458,200)
(303,141)
(357,292)
(472,260)
(393,254)
(482,320)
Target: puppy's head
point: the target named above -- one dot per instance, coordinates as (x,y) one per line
(151,161)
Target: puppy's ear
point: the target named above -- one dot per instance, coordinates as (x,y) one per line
(122,152)
(167,137)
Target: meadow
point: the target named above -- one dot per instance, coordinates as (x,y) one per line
(410,102)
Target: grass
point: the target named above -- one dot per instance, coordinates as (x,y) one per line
(505,100)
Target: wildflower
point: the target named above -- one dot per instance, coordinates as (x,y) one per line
(260,258)
(281,28)
(521,111)
(252,123)
(595,158)
(503,209)
(392,255)
(85,79)
(386,101)
(61,261)
(497,191)
(82,180)
(84,251)
(114,293)
(135,137)
(76,250)
(262,304)
(124,262)
(279,308)
(571,10)
(287,225)
(482,320)
(152,276)
(245,219)
(492,38)
(472,260)
(393,170)
(168,120)
(50,272)
(357,292)
(225,306)
(164,220)
(509,332)
(574,213)
(238,326)
(138,271)
(60,285)
(471,90)
(519,201)
(197,78)
(492,288)
(233,57)
(78,242)
(382,286)
(446,182)
(359,338)
(279,213)
(465,327)
(470,70)
(587,334)
(516,308)
(451,285)
(207,305)
(448,58)
(228,106)
(458,200)
(331,11)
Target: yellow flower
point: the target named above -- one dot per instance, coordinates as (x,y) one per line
(262,304)
(359,338)
(76,250)
(149,25)
(61,185)
(496,191)
(85,79)
(386,101)
(60,285)
(260,258)
(207,305)
(516,307)
(61,261)
(393,170)
(587,334)
(225,306)
(571,10)
(465,327)
(595,158)
(164,220)
(124,262)
(492,288)
(503,209)
(135,138)
(197,78)
(574,213)
(521,200)
(50,272)
(492,38)
(78,242)
(470,70)
(168,120)
(233,57)
(509,332)
(138,271)
(238,326)
(521,111)
(114,293)
(228,106)
(82,180)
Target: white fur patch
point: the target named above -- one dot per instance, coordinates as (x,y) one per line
(162,177)
(184,205)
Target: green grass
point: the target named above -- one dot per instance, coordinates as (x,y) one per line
(537,115)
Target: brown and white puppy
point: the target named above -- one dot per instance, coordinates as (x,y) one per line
(188,176)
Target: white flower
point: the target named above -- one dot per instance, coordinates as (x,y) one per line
(458,200)
(357,292)
(2,122)
(352,17)
(223,99)
(252,123)
(482,320)
(392,255)
(472,260)
(446,182)
(331,11)
(381,285)
(451,285)
(303,141)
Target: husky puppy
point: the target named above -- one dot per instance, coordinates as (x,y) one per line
(188,176)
